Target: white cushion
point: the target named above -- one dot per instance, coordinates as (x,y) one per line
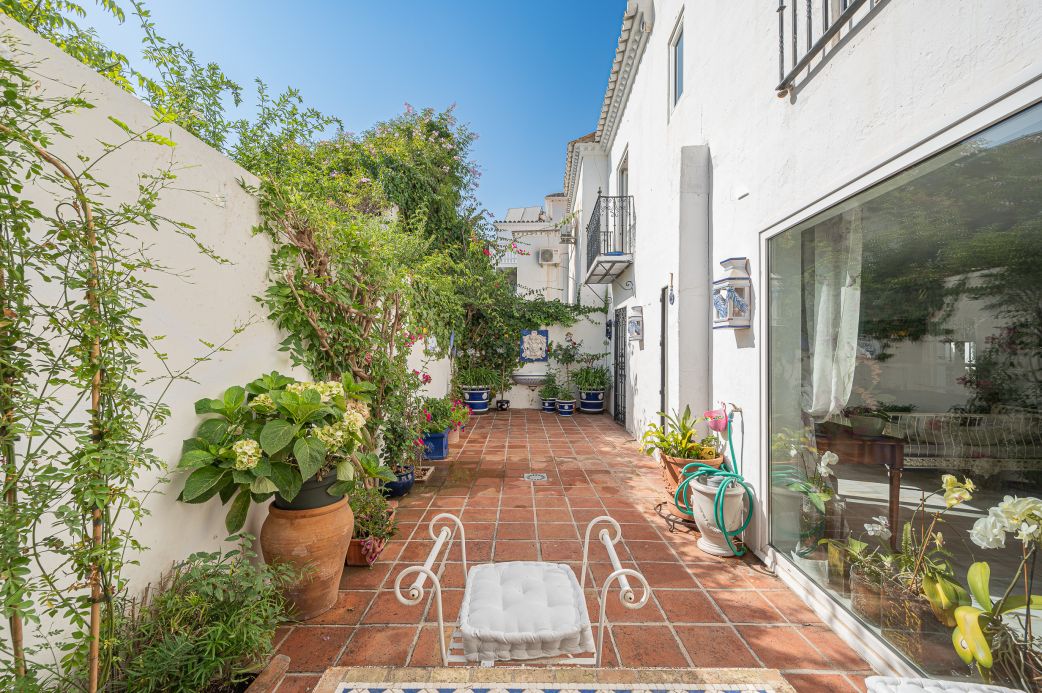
(523,610)
(894,684)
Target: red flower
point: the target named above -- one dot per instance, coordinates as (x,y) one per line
(488,253)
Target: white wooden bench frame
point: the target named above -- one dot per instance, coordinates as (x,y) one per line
(453,653)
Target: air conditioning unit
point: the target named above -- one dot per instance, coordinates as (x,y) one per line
(548,256)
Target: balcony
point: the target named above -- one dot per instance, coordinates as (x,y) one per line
(609,238)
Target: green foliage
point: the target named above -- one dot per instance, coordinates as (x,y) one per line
(372,514)
(679,438)
(591,378)
(272,436)
(207,625)
(478,377)
(549,388)
(459,415)
(437,414)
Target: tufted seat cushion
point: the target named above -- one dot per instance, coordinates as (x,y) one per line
(894,684)
(523,610)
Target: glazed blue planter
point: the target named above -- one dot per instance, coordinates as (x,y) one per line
(566,408)
(436,445)
(591,401)
(397,489)
(477,399)
(549,405)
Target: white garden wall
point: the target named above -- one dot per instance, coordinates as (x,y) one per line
(205,302)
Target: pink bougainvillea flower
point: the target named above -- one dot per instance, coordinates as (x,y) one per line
(717,419)
(487,252)
(427,414)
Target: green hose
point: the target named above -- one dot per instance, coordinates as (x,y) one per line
(696,470)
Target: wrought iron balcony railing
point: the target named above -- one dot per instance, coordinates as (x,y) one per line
(610,229)
(810,28)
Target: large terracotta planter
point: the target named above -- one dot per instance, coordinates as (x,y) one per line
(314,542)
(909,624)
(674,467)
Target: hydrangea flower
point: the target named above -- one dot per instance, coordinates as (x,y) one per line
(247,454)
(262,404)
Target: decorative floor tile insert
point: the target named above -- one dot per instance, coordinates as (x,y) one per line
(534,476)
(557,688)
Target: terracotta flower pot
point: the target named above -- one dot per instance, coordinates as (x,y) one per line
(453,436)
(866,597)
(312,541)
(909,624)
(365,551)
(674,467)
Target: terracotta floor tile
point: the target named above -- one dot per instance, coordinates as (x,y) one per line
(557,530)
(516,515)
(553,515)
(561,550)
(647,646)
(365,578)
(838,652)
(782,647)
(688,606)
(791,606)
(516,530)
(313,648)
(348,610)
(472,515)
(820,683)
(515,551)
(746,606)
(386,608)
(427,652)
(379,646)
(715,646)
(451,600)
(649,550)
(667,575)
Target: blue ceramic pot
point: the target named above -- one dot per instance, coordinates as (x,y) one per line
(566,408)
(397,489)
(549,405)
(477,398)
(591,401)
(436,445)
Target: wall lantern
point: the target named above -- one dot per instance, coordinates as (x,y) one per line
(635,324)
(732,296)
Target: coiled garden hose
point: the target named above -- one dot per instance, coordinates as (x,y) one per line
(728,478)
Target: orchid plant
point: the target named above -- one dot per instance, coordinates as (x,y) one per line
(982,637)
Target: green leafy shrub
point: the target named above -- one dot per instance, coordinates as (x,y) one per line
(437,412)
(372,514)
(477,377)
(207,626)
(549,388)
(270,437)
(591,378)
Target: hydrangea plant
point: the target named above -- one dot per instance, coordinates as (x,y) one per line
(273,435)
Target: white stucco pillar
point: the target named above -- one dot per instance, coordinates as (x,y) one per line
(694,355)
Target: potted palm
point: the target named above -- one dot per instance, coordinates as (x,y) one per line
(435,423)
(592,382)
(867,420)
(298,443)
(476,383)
(678,444)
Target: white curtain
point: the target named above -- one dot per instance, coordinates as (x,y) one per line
(832,307)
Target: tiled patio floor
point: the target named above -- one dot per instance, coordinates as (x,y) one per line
(705,611)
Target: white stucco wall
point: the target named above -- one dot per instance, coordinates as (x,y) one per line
(205,302)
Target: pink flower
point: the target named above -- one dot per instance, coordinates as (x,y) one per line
(717,419)
(428,414)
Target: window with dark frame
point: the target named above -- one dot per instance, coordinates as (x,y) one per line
(678,66)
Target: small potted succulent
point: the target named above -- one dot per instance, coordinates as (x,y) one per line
(374,525)
(435,423)
(592,382)
(548,393)
(459,415)
(476,383)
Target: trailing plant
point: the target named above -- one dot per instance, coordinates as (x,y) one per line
(273,435)
(74,423)
(207,625)
(590,378)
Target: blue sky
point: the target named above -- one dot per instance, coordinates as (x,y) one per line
(526,75)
